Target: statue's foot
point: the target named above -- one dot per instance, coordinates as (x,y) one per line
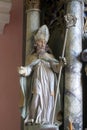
(28,121)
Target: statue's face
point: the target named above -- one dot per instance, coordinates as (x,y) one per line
(41,45)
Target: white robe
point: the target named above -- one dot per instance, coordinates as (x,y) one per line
(42,80)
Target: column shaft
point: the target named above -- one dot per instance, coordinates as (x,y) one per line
(73,86)
(33,23)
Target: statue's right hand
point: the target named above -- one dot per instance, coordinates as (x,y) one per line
(22,70)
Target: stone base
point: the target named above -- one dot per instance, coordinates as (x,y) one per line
(41,127)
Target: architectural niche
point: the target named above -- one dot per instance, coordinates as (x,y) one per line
(5,7)
(53,13)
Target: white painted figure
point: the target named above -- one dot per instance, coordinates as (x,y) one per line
(39,82)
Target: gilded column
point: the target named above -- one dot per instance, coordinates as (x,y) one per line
(73,112)
(33,23)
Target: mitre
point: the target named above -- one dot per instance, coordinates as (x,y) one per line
(43,33)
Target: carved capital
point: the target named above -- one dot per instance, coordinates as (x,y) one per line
(81,1)
(32,4)
(70,20)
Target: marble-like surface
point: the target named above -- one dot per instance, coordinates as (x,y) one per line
(33,23)
(73,84)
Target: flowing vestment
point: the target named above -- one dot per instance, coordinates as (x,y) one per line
(42,80)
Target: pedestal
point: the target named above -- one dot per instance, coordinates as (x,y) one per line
(41,127)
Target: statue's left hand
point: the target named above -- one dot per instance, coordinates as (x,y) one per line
(62,61)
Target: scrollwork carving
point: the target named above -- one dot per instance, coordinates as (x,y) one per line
(70,20)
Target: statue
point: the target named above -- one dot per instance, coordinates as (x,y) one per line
(39,82)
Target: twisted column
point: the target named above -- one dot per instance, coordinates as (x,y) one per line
(73,112)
